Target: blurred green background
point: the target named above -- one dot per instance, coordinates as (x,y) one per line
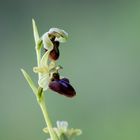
(101,58)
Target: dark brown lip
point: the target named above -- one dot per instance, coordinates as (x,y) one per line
(62,87)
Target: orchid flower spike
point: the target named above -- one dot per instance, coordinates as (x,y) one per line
(48,71)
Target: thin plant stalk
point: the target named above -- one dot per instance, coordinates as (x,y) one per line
(41,97)
(47,119)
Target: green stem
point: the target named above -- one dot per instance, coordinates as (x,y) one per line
(47,119)
(38,54)
(40,96)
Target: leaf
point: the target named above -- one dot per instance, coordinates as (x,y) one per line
(30,82)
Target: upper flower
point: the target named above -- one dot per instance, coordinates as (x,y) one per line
(54,34)
(51,40)
(61,86)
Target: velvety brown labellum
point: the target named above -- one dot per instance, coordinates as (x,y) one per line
(54,54)
(62,87)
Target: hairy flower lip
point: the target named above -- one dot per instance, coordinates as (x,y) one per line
(63,87)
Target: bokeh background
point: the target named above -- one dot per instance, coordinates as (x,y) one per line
(101,58)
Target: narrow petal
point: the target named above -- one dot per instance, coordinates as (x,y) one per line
(44,60)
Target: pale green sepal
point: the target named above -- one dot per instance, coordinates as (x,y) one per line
(35,32)
(30,82)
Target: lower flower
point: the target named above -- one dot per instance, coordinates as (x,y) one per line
(63,132)
(62,86)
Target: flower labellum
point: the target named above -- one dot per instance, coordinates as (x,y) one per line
(54,54)
(62,86)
